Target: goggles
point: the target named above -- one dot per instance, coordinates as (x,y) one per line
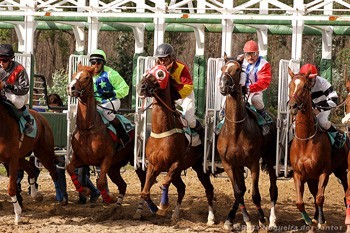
(250,54)
(94,62)
(4,59)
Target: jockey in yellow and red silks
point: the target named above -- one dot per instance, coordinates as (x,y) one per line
(181,81)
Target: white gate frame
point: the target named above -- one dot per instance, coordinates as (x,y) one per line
(142,118)
(213,105)
(283,116)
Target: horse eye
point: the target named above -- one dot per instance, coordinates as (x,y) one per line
(160,74)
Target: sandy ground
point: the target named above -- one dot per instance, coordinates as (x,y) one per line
(49,217)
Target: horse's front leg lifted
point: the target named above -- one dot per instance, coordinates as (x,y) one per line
(71,171)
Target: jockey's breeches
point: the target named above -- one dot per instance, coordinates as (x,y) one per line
(322,118)
(107,109)
(18,100)
(188,107)
(256,99)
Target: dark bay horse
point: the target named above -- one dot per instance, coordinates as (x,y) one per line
(92,143)
(242,144)
(14,147)
(311,153)
(167,148)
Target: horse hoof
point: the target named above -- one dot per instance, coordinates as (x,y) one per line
(64,202)
(322,226)
(137,216)
(250,227)
(86,192)
(162,209)
(39,197)
(17,219)
(228,225)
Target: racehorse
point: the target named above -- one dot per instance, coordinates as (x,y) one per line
(167,148)
(311,153)
(92,143)
(241,144)
(15,146)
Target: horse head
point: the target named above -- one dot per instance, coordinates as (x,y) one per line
(299,91)
(81,84)
(154,81)
(230,76)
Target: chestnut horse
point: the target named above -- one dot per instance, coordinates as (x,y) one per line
(167,148)
(311,153)
(242,144)
(92,143)
(14,147)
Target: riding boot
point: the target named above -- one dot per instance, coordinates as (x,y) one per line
(29,127)
(338,137)
(265,127)
(200,130)
(122,134)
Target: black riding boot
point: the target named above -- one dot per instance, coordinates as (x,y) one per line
(336,135)
(29,127)
(265,127)
(122,134)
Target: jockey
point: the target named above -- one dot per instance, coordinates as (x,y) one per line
(255,78)
(109,88)
(181,81)
(324,98)
(15,83)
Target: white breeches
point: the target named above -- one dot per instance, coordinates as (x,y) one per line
(188,107)
(110,106)
(256,99)
(18,100)
(322,118)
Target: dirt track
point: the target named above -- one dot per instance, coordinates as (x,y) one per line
(49,217)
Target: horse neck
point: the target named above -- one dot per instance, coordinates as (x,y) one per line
(162,118)
(86,112)
(305,121)
(235,108)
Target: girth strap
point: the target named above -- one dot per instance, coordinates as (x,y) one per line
(167,133)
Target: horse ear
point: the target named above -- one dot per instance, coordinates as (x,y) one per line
(290,72)
(80,66)
(225,57)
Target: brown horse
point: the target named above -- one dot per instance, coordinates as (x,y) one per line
(167,148)
(92,143)
(311,154)
(14,147)
(242,144)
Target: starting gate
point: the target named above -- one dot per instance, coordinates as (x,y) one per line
(283,116)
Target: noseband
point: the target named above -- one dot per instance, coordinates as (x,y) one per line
(83,89)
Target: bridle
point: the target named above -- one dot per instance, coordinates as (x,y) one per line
(83,89)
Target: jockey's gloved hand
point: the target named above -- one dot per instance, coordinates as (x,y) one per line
(108,95)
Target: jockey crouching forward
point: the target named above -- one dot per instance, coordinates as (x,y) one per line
(109,88)
(255,78)
(324,98)
(182,85)
(15,83)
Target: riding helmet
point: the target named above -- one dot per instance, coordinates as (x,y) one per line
(6,50)
(309,68)
(251,46)
(164,50)
(98,55)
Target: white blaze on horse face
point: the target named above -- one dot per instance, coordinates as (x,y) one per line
(297,83)
(228,66)
(74,81)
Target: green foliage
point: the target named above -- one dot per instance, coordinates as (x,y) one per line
(60,82)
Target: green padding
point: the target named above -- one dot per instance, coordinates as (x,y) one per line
(326,69)
(58,123)
(199,81)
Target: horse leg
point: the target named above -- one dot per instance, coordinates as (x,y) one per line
(204,178)
(347,195)
(181,189)
(174,171)
(228,225)
(102,181)
(322,183)
(299,188)
(29,168)
(13,165)
(151,176)
(142,177)
(114,175)
(256,197)
(48,159)
(273,197)
(313,190)
(71,171)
